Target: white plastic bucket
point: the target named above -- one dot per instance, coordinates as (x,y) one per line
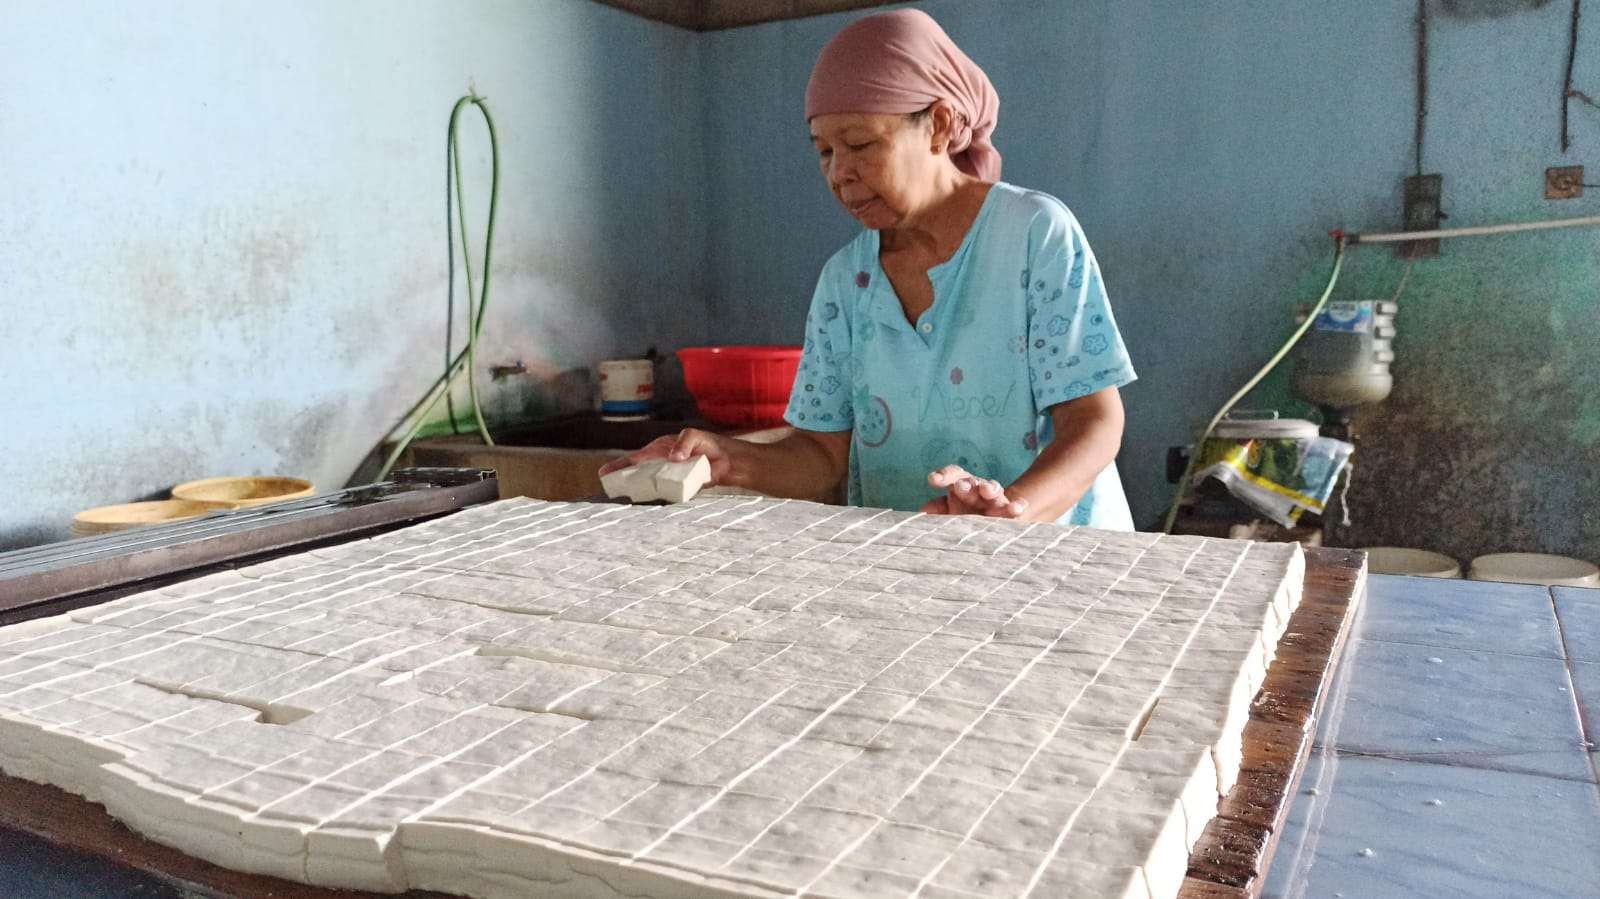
(626,388)
(1266,429)
(1411,562)
(1534,568)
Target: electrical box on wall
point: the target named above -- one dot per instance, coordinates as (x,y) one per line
(1422,193)
(1563,182)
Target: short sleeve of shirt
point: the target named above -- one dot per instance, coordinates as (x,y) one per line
(821,397)
(1074,348)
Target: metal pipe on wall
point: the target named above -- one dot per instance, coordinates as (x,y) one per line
(1478,231)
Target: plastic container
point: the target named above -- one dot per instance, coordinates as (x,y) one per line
(1534,568)
(1250,428)
(741,386)
(1343,360)
(239,493)
(1411,562)
(106,519)
(626,388)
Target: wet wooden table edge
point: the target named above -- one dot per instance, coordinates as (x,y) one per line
(1231,858)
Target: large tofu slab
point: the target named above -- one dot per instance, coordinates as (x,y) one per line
(725,697)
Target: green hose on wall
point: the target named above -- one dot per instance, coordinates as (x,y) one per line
(463,361)
(1194,453)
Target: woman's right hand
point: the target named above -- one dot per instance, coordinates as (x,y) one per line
(682,447)
(967,494)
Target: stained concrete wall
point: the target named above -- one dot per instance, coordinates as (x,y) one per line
(1208,148)
(222,244)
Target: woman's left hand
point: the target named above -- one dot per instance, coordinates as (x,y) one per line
(966,494)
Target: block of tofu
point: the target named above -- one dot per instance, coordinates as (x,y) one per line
(742,698)
(678,482)
(637,484)
(658,479)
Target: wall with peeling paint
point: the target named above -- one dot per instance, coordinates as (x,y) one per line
(221,235)
(1208,148)
(221,244)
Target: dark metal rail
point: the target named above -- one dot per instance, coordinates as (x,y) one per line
(46,579)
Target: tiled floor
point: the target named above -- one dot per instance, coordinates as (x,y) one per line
(1458,762)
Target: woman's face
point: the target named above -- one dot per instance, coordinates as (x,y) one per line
(881,167)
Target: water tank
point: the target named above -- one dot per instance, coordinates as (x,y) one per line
(1343,361)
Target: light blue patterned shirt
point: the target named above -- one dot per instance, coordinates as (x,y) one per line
(1019,323)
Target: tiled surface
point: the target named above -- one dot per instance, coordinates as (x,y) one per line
(1457,707)
(1456,763)
(1579,611)
(1586,678)
(1511,618)
(1404,829)
(776,698)
(1297,846)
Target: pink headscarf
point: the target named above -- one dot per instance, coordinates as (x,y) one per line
(902,62)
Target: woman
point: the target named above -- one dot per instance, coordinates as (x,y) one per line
(960,354)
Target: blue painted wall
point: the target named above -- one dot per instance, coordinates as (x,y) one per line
(221,250)
(221,235)
(1208,148)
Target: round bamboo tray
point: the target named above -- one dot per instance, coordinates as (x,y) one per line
(239,493)
(105,519)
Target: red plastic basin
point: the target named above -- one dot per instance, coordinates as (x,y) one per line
(741,386)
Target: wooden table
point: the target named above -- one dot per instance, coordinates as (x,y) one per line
(1229,862)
